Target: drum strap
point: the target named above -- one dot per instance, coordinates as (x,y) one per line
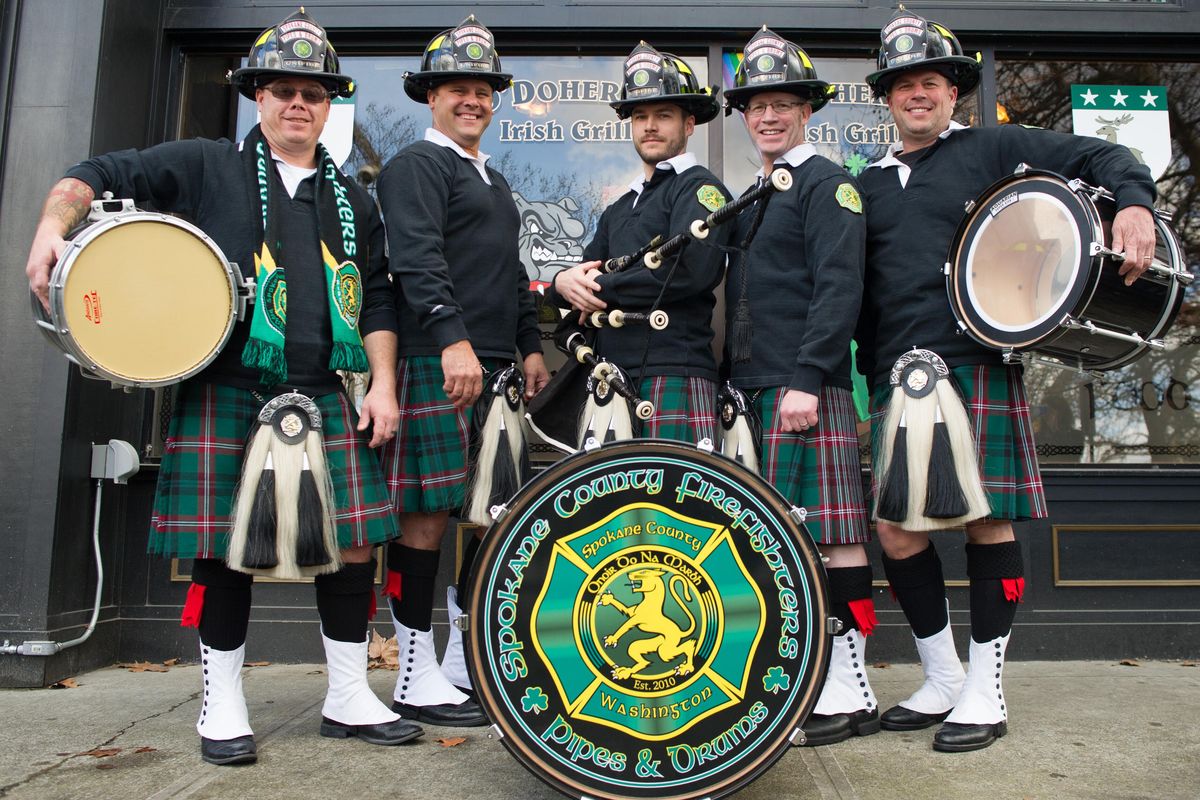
(343,248)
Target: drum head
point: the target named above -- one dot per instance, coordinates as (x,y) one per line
(145,299)
(1021,261)
(647,620)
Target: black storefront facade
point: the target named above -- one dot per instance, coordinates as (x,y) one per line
(1113,573)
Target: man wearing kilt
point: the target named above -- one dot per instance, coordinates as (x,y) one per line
(915,197)
(791,298)
(673,368)
(464,310)
(275,201)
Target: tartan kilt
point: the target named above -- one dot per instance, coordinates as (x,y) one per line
(202,464)
(684,408)
(820,468)
(426,462)
(994,396)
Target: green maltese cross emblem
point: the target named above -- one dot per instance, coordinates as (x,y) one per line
(855,164)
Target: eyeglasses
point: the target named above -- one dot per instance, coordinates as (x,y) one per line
(780,106)
(310,94)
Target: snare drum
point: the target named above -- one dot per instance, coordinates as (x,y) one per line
(141,299)
(648,620)
(1031,269)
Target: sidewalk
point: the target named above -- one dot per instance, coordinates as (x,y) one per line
(1088,730)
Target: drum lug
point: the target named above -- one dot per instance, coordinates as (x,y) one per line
(1185,277)
(798,513)
(591,444)
(462,622)
(498,512)
(1098,249)
(247,292)
(705,445)
(496,729)
(1079,187)
(108,207)
(946,266)
(797,739)
(833,626)
(1021,169)
(1011,356)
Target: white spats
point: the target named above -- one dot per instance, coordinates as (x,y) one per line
(454,662)
(421,682)
(846,686)
(943,674)
(349,699)
(982,698)
(223,713)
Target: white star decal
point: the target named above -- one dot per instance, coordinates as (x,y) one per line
(1150,99)
(1119,98)
(1089,98)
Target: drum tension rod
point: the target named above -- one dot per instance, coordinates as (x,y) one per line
(1133,338)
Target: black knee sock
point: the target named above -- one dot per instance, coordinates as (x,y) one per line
(418,571)
(852,585)
(225,615)
(466,569)
(920,589)
(993,605)
(344,601)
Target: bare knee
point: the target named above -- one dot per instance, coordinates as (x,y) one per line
(990,531)
(423,531)
(844,555)
(897,543)
(357,555)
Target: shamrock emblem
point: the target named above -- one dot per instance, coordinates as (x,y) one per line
(775,681)
(535,700)
(855,164)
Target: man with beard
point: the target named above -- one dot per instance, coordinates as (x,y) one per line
(277,202)
(915,198)
(791,299)
(464,309)
(674,368)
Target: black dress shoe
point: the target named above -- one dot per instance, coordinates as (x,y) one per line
(398,731)
(955,737)
(229,751)
(899,718)
(821,729)
(466,714)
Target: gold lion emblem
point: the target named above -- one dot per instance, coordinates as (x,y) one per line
(669,640)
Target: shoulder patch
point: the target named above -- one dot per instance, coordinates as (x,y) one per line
(710,197)
(847,197)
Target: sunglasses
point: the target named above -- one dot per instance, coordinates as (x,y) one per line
(310,94)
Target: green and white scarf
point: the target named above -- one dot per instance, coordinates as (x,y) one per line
(343,247)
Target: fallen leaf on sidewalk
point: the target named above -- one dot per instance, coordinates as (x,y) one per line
(143,666)
(1187,664)
(881,665)
(451,741)
(383,653)
(316,672)
(258,663)
(65,683)
(106,766)
(1128,662)
(100,752)
(170,662)
(146,750)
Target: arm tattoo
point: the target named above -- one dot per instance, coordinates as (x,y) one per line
(69,202)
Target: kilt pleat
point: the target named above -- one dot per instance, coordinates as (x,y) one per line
(684,408)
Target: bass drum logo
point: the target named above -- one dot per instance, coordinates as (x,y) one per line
(649,621)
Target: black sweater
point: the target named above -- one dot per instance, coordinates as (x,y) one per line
(205,181)
(803,282)
(669,203)
(454,257)
(910,230)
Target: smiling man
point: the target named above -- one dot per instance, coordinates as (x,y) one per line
(277,198)
(791,299)
(916,195)
(464,309)
(674,368)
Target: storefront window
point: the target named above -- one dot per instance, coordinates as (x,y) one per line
(554,138)
(1145,412)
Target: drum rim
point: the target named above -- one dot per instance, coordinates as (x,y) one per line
(808,556)
(1082,212)
(58,316)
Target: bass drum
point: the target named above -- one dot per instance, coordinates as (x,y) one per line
(648,620)
(1031,269)
(140,299)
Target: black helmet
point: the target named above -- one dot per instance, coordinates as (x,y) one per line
(654,77)
(296,47)
(773,64)
(468,51)
(912,42)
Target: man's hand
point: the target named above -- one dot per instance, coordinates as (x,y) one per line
(578,286)
(464,374)
(66,206)
(798,411)
(381,411)
(536,376)
(1133,235)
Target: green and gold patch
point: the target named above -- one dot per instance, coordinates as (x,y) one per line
(710,197)
(847,197)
